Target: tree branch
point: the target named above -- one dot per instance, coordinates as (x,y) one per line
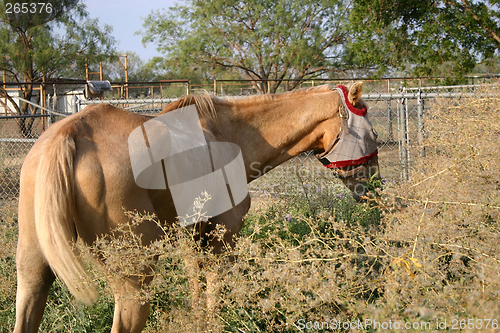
(489,30)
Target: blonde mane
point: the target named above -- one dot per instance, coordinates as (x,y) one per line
(205,103)
(266,98)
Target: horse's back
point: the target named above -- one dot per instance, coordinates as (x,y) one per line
(103,179)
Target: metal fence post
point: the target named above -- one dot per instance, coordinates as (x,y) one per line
(403,137)
(390,135)
(420,116)
(407,135)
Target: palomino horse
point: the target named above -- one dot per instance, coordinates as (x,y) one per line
(77,180)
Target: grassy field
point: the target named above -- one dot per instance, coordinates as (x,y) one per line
(415,256)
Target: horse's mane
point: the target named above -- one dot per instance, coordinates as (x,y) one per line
(258,99)
(205,103)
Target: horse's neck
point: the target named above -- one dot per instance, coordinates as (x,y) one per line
(272,131)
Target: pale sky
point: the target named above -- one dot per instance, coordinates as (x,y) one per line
(126,17)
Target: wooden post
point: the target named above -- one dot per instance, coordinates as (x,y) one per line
(125,67)
(215,87)
(126,77)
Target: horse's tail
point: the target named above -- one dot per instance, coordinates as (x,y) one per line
(55,210)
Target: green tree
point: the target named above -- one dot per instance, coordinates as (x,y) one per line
(258,39)
(421,37)
(48,42)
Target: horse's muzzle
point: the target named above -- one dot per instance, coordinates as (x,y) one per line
(356,177)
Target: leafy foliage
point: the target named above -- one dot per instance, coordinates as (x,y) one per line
(424,37)
(32,46)
(260,39)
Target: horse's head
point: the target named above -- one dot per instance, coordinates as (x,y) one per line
(351,152)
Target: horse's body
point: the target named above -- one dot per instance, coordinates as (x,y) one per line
(77,180)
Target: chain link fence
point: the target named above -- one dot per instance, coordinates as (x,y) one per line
(398,116)
(17,136)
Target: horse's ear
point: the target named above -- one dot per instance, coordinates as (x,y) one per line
(355,92)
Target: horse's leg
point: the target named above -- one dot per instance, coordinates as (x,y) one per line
(233,221)
(193,272)
(213,302)
(34,278)
(131,313)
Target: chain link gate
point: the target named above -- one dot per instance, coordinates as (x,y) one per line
(406,109)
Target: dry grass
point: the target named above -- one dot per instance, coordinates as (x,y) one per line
(421,254)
